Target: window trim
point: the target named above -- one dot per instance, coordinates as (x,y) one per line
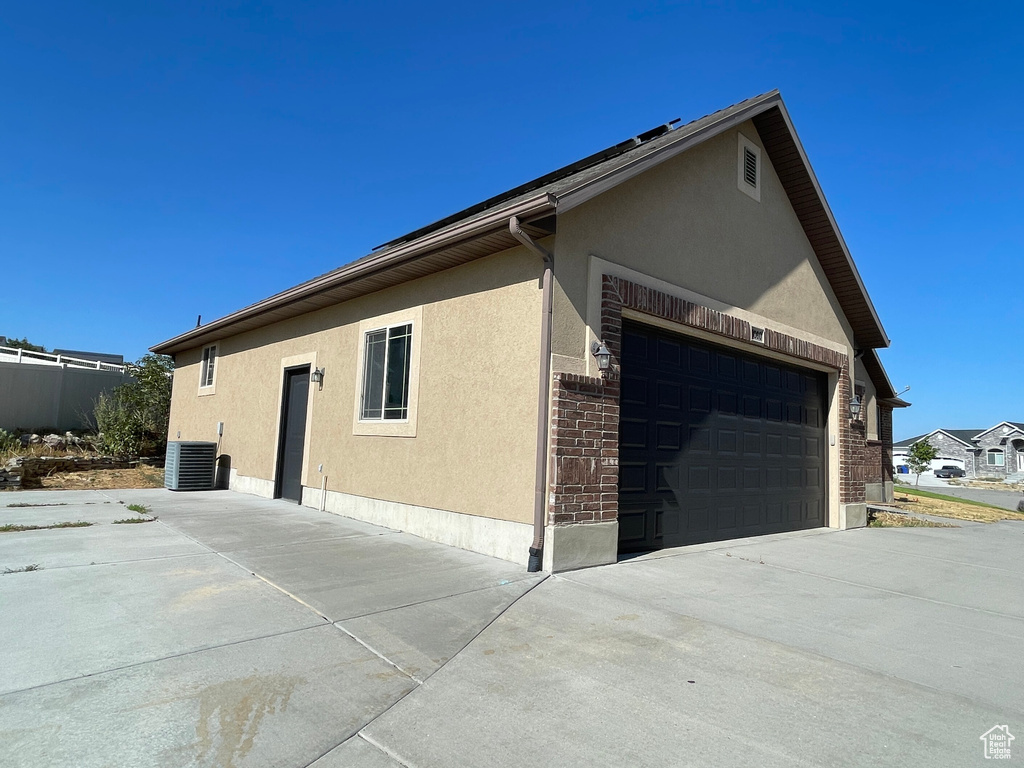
(211,387)
(992,453)
(380,426)
(384,381)
(741,182)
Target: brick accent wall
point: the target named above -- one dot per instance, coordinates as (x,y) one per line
(886,438)
(853,448)
(584,470)
(583,477)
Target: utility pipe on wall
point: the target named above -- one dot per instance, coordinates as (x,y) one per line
(543,395)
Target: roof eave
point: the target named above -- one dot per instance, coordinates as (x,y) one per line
(873,336)
(529,208)
(594,187)
(894,402)
(835,226)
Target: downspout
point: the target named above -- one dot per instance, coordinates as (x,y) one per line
(543,393)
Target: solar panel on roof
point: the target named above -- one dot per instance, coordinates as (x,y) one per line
(587,162)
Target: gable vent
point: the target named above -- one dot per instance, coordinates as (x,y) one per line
(749,167)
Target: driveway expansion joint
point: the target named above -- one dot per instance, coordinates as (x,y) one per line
(390,753)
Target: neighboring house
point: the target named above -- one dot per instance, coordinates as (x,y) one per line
(996,452)
(656,345)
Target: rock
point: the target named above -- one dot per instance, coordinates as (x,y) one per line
(1020,505)
(34,439)
(56,442)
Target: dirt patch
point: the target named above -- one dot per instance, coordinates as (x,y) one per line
(880,519)
(142,476)
(989,485)
(941,508)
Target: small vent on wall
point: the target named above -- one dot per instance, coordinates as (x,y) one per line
(757,335)
(749,167)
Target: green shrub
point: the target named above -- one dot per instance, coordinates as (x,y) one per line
(132,419)
(8,441)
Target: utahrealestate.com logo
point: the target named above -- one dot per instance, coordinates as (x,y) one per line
(997,742)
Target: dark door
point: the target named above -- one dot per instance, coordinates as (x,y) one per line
(714,443)
(292,442)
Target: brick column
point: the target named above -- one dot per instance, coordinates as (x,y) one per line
(885,447)
(584,450)
(853,449)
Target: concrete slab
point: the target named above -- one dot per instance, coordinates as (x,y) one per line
(947,647)
(224,523)
(950,577)
(346,578)
(65,623)
(45,496)
(98,513)
(66,547)
(571,676)
(278,701)
(356,752)
(422,637)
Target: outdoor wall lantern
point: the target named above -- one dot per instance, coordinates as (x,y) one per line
(855,407)
(604,357)
(318,377)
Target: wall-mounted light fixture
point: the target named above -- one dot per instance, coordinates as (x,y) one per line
(604,357)
(855,407)
(318,377)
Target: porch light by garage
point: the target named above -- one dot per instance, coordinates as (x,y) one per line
(604,357)
(855,407)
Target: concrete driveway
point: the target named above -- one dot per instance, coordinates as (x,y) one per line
(241,632)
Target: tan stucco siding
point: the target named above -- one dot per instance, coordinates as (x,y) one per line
(686,222)
(474,447)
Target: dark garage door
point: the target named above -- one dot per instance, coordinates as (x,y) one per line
(715,444)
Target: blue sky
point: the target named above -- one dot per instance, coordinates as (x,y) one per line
(162,160)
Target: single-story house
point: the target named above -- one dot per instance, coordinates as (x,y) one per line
(666,342)
(996,452)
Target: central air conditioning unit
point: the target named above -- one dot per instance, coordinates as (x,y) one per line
(190,466)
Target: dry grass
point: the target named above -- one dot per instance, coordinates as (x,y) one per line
(879,519)
(35,451)
(141,476)
(954,509)
(13,528)
(24,569)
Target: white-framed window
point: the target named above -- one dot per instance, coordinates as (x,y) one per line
(995,457)
(748,168)
(208,368)
(387,364)
(386,359)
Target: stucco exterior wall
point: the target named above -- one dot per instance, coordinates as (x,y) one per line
(687,223)
(475,432)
